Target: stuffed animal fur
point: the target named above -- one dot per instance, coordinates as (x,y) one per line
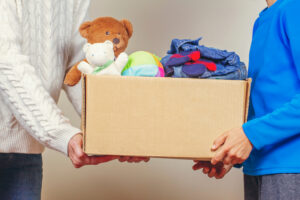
(98,31)
(100,59)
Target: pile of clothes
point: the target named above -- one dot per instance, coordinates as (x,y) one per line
(188,59)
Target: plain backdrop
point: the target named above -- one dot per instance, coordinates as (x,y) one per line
(224,24)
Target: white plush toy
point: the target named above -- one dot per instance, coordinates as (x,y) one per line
(101,59)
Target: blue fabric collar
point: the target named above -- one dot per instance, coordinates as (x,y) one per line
(266,12)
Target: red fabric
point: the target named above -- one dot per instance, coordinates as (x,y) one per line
(195,55)
(177,56)
(190,59)
(209,65)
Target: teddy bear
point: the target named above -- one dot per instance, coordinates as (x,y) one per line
(98,31)
(100,59)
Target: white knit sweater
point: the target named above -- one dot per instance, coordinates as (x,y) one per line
(39,40)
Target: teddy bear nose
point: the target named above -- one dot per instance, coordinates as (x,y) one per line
(116,41)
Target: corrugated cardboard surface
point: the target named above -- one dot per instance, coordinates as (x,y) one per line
(159,117)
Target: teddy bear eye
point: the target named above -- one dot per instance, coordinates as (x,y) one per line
(107,32)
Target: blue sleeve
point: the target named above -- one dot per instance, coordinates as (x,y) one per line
(284,122)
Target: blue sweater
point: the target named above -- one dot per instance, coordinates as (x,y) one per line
(274,113)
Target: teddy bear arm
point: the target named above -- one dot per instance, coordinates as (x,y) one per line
(73,76)
(86,68)
(121,61)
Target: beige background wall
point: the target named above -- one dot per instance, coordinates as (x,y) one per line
(225,24)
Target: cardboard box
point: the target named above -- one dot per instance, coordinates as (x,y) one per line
(159,117)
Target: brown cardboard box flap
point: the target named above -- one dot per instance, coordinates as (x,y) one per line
(159,117)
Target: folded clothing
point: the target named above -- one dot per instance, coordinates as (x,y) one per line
(190,62)
(187,59)
(183,57)
(142,63)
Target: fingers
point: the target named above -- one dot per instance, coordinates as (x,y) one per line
(206,170)
(235,149)
(219,157)
(75,151)
(206,164)
(124,158)
(228,159)
(212,172)
(224,171)
(217,171)
(132,159)
(79,158)
(219,141)
(220,174)
(207,167)
(95,160)
(201,164)
(233,157)
(145,159)
(91,160)
(76,161)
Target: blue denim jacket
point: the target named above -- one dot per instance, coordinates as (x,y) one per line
(228,63)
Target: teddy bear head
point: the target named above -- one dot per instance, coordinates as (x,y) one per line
(98,54)
(108,28)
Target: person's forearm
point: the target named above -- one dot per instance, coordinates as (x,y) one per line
(275,127)
(34,108)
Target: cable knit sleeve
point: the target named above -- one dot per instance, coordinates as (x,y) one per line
(22,89)
(76,54)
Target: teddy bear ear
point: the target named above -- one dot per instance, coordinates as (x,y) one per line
(86,47)
(83,29)
(128,26)
(109,43)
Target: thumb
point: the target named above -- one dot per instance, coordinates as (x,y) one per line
(219,142)
(76,142)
